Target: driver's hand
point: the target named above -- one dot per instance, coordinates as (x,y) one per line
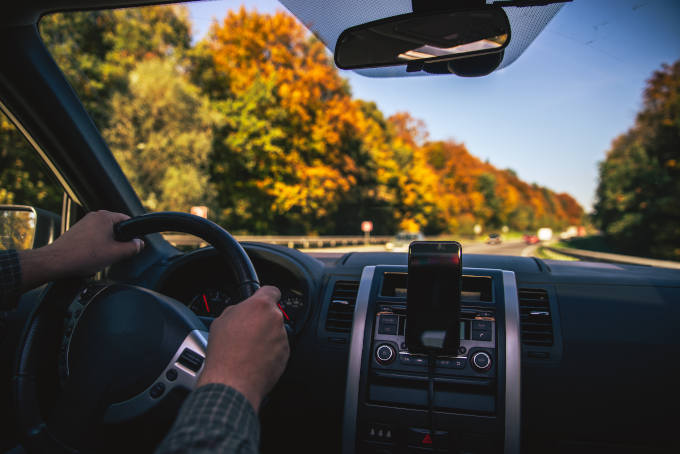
(248,346)
(87,247)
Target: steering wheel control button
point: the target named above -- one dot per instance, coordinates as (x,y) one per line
(191,360)
(157,390)
(171,375)
(385,354)
(388,324)
(481,335)
(481,361)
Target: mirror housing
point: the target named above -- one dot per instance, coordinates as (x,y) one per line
(24,227)
(421,39)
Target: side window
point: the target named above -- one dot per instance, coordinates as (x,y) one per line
(25,181)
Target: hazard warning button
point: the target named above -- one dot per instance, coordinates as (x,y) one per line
(422,438)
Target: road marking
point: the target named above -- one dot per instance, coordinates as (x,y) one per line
(529,251)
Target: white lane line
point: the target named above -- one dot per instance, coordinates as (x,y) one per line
(529,251)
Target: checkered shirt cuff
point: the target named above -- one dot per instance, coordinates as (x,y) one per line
(10,279)
(214,419)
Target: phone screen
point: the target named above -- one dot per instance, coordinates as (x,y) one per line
(433,297)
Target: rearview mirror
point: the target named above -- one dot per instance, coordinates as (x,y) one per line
(418,39)
(24,227)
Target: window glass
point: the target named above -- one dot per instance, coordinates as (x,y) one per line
(238,113)
(24,177)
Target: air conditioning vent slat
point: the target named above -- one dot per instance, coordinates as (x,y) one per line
(535,317)
(341,306)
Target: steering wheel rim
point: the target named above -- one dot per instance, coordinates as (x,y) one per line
(238,263)
(34,340)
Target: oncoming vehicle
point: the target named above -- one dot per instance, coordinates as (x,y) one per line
(494,238)
(290,125)
(402,240)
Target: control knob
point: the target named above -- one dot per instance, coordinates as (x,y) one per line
(481,361)
(385,354)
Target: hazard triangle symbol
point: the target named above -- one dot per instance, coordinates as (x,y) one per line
(427,440)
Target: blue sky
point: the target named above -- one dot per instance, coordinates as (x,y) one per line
(553,113)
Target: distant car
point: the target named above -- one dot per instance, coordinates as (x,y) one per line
(530,239)
(402,240)
(494,238)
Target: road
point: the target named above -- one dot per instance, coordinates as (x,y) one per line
(517,247)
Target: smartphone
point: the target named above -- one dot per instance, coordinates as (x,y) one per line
(433,297)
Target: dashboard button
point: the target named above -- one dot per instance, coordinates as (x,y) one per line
(388,324)
(385,354)
(481,335)
(481,324)
(405,359)
(423,439)
(444,363)
(458,363)
(419,360)
(481,361)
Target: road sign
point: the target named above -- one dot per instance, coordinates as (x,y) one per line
(201,211)
(367,226)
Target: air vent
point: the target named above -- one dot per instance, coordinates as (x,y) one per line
(535,317)
(341,308)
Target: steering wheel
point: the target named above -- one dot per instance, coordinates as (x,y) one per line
(121,352)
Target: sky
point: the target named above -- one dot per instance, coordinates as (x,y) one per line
(552,114)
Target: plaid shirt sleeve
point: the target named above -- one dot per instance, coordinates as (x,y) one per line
(214,419)
(10,279)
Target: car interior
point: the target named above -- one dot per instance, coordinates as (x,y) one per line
(553,356)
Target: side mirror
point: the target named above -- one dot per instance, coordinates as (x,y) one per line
(24,227)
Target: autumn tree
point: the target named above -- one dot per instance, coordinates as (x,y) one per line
(256,122)
(24,178)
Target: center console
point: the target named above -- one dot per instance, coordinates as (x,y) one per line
(400,402)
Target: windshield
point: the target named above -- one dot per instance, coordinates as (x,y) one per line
(237,113)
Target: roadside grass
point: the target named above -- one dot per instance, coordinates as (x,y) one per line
(544,253)
(596,243)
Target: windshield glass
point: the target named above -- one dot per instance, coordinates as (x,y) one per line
(237,113)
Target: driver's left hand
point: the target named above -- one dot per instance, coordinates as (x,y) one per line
(87,247)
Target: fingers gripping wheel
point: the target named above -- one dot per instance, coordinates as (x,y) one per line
(237,261)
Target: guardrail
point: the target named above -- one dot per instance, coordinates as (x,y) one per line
(304,242)
(616,258)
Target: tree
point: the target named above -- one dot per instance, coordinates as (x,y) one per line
(256,122)
(639,184)
(161,134)
(24,178)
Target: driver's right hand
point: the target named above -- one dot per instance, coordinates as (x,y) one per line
(248,346)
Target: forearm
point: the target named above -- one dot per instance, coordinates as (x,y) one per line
(39,266)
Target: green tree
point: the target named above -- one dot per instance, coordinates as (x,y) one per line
(161,134)
(639,186)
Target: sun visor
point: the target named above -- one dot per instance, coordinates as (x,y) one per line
(328,19)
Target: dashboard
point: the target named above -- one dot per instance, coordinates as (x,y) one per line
(596,364)
(199,282)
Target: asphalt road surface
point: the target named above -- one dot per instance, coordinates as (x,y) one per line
(517,247)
